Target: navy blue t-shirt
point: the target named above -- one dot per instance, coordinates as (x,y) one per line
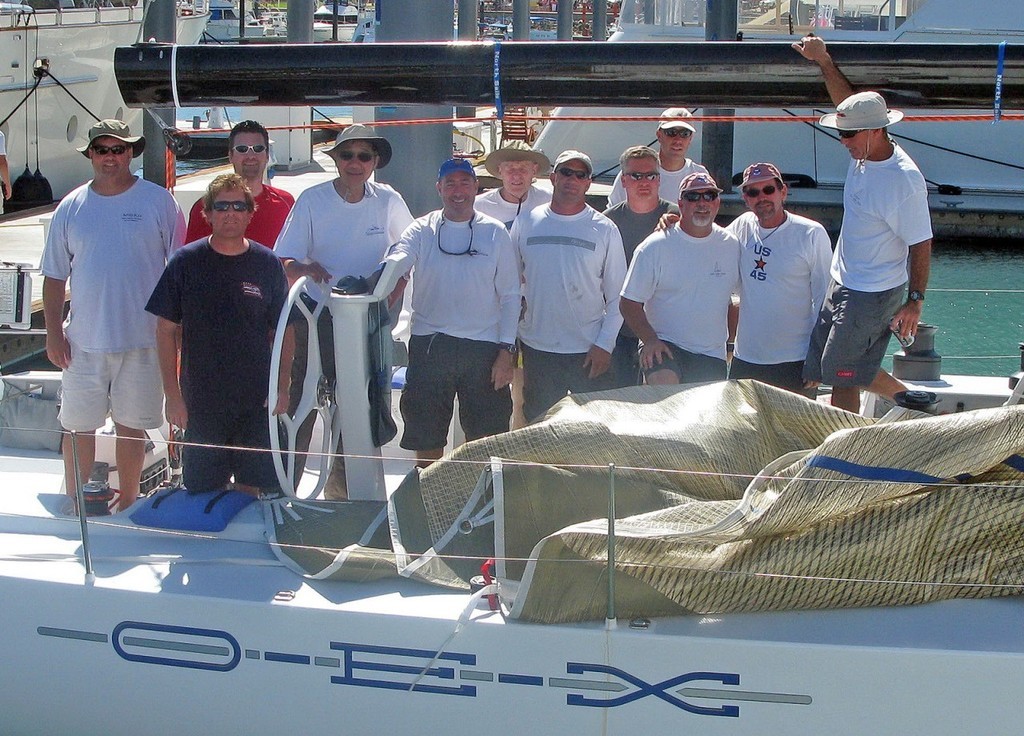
(226,306)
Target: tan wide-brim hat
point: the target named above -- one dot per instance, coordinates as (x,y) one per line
(114,129)
(359,132)
(861,111)
(516,151)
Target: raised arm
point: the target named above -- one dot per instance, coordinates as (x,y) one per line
(813,49)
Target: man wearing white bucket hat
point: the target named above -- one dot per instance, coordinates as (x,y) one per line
(885,223)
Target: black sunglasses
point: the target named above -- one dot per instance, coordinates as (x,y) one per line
(469,248)
(768,189)
(698,196)
(258,148)
(848,133)
(104,150)
(237,206)
(363,156)
(643,175)
(677,132)
(569,173)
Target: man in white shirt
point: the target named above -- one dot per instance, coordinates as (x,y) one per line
(573,264)
(110,238)
(783,277)
(675,135)
(518,166)
(340,228)
(678,290)
(465,311)
(886,224)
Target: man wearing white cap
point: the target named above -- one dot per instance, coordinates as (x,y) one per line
(340,228)
(110,238)
(465,312)
(518,166)
(886,222)
(783,277)
(573,265)
(678,290)
(675,134)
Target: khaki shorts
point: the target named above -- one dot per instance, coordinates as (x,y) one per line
(127,386)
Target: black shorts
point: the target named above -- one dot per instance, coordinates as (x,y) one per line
(548,377)
(211,468)
(442,367)
(782,375)
(690,367)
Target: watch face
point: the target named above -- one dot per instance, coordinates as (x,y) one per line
(916,296)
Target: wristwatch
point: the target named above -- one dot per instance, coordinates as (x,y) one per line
(508,347)
(915,296)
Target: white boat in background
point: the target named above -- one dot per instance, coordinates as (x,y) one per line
(974,168)
(75,46)
(224,25)
(347,21)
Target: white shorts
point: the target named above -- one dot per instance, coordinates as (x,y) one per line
(125,385)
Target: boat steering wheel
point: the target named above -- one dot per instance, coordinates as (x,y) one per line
(317,398)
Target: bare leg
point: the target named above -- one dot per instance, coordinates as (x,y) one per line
(846,397)
(662,378)
(129,454)
(86,447)
(425,458)
(885,385)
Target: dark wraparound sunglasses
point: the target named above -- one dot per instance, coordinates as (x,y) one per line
(104,150)
(569,173)
(752,192)
(677,132)
(848,133)
(224,206)
(363,156)
(698,196)
(643,175)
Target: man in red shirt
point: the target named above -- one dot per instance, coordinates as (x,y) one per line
(249,154)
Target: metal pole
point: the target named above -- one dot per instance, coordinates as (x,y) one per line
(159,24)
(599,29)
(80,498)
(565,15)
(721,25)
(300,22)
(418,150)
(610,614)
(469,28)
(520,20)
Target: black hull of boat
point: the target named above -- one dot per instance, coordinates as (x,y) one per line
(721,74)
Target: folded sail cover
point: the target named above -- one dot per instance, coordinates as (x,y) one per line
(730,497)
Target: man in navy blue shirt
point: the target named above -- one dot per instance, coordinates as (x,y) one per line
(220,298)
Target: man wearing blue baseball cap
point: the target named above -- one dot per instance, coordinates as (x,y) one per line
(465,312)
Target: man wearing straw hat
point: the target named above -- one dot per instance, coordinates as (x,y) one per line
(340,228)
(886,222)
(674,135)
(518,166)
(109,238)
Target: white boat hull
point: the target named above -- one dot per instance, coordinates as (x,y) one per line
(79,45)
(213,635)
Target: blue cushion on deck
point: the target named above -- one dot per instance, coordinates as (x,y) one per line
(177,508)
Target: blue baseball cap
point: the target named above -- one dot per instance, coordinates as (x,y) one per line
(453,165)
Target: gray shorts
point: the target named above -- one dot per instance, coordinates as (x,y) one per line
(851,335)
